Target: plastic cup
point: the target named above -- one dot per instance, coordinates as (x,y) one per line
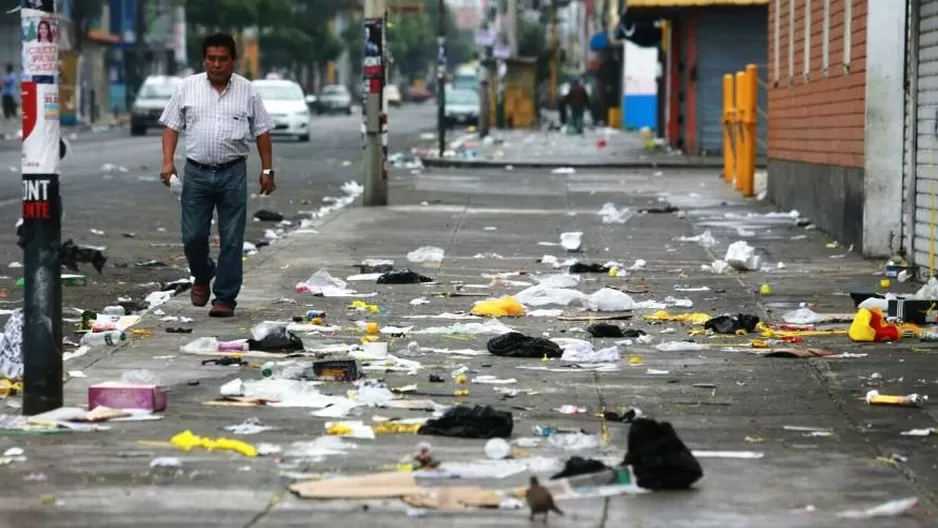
(497,449)
(377,349)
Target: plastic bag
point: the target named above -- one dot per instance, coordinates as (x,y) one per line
(139,377)
(571,241)
(543,296)
(802,316)
(741,256)
(426,254)
(506,306)
(175,186)
(609,300)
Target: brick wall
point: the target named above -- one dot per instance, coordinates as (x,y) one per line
(817,119)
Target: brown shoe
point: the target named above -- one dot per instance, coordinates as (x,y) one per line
(199,293)
(221,309)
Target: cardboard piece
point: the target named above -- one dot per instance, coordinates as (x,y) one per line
(398,485)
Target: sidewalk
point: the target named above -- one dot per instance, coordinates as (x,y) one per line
(595,148)
(717,399)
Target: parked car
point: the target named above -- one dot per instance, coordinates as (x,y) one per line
(461,107)
(334,98)
(392,95)
(286,104)
(418,94)
(154,95)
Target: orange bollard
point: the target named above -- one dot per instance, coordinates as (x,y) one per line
(729,116)
(752,100)
(741,107)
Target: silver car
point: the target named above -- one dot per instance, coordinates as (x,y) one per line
(334,98)
(152,99)
(461,107)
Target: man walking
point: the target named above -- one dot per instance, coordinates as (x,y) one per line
(577,99)
(220,113)
(8,94)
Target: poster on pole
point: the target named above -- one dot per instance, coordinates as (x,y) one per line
(373,61)
(41,130)
(40,47)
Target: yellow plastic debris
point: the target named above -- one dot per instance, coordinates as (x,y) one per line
(765,289)
(362,306)
(884,283)
(694,318)
(372,328)
(506,306)
(187,441)
(636,361)
(395,428)
(339,429)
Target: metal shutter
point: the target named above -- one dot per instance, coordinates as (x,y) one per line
(728,38)
(925,241)
(909,138)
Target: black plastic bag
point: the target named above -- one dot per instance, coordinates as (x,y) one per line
(730,324)
(580,466)
(516,344)
(477,422)
(71,255)
(268,216)
(611,330)
(278,340)
(403,276)
(659,459)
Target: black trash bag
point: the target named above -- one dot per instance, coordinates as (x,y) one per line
(403,276)
(659,459)
(580,466)
(730,324)
(71,255)
(516,344)
(268,216)
(477,422)
(610,330)
(659,210)
(278,340)
(581,267)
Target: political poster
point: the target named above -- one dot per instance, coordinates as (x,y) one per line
(40,46)
(373,60)
(41,128)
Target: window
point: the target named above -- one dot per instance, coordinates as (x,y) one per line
(778,38)
(807,40)
(791,39)
(826,43)
(848,33)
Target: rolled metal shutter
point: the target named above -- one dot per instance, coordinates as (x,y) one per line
(925,222)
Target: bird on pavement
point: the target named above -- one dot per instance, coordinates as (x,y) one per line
(540,500)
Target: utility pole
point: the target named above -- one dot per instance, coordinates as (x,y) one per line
(374,77)
(41,232)
(441,76)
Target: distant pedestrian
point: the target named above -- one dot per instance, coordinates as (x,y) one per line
(577,100)
(8,89)
(221,113)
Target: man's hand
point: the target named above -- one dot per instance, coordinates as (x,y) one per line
(267,184)
(166,173)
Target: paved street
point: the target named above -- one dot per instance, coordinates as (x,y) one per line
(110,183)
(813,448)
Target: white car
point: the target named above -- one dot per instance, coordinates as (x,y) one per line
(286,104)
(151,100)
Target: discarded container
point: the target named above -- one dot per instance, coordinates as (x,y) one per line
(335,370)
(497,449)
(111,338)
(912,400)
(114,310)
(116,395)
(376,349)
(316,314)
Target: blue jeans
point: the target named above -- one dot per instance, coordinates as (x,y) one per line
(203,192)
(577,120)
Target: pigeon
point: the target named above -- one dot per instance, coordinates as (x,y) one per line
(540,500)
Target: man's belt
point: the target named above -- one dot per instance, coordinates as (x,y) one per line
(215,167)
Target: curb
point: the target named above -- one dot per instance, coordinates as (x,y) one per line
(637,164)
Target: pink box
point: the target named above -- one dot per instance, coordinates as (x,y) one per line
(117,395)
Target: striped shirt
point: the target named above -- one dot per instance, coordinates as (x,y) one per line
(219,127)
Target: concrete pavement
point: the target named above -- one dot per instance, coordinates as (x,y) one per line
(723,398)
(112,186)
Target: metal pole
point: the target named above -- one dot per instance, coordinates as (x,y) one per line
(441,76)
(41,232)
(485,93)
(374,75)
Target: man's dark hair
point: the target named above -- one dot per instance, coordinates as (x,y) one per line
(9,67)
(220,40)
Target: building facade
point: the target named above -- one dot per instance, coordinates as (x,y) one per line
(817,72)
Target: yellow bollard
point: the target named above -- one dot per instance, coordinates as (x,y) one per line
(741,107)
(752,100)
(614,117)
(728,124)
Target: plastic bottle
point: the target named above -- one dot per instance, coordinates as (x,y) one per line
(114,310)
(111,338)
(210,344)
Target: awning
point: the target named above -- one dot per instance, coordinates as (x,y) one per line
(599,41)
(692,3)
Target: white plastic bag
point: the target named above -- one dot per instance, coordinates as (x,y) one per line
(741,256)
(426,254)
(571,241)
(175,187)
(543,296)
(609,300)
(802,316)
